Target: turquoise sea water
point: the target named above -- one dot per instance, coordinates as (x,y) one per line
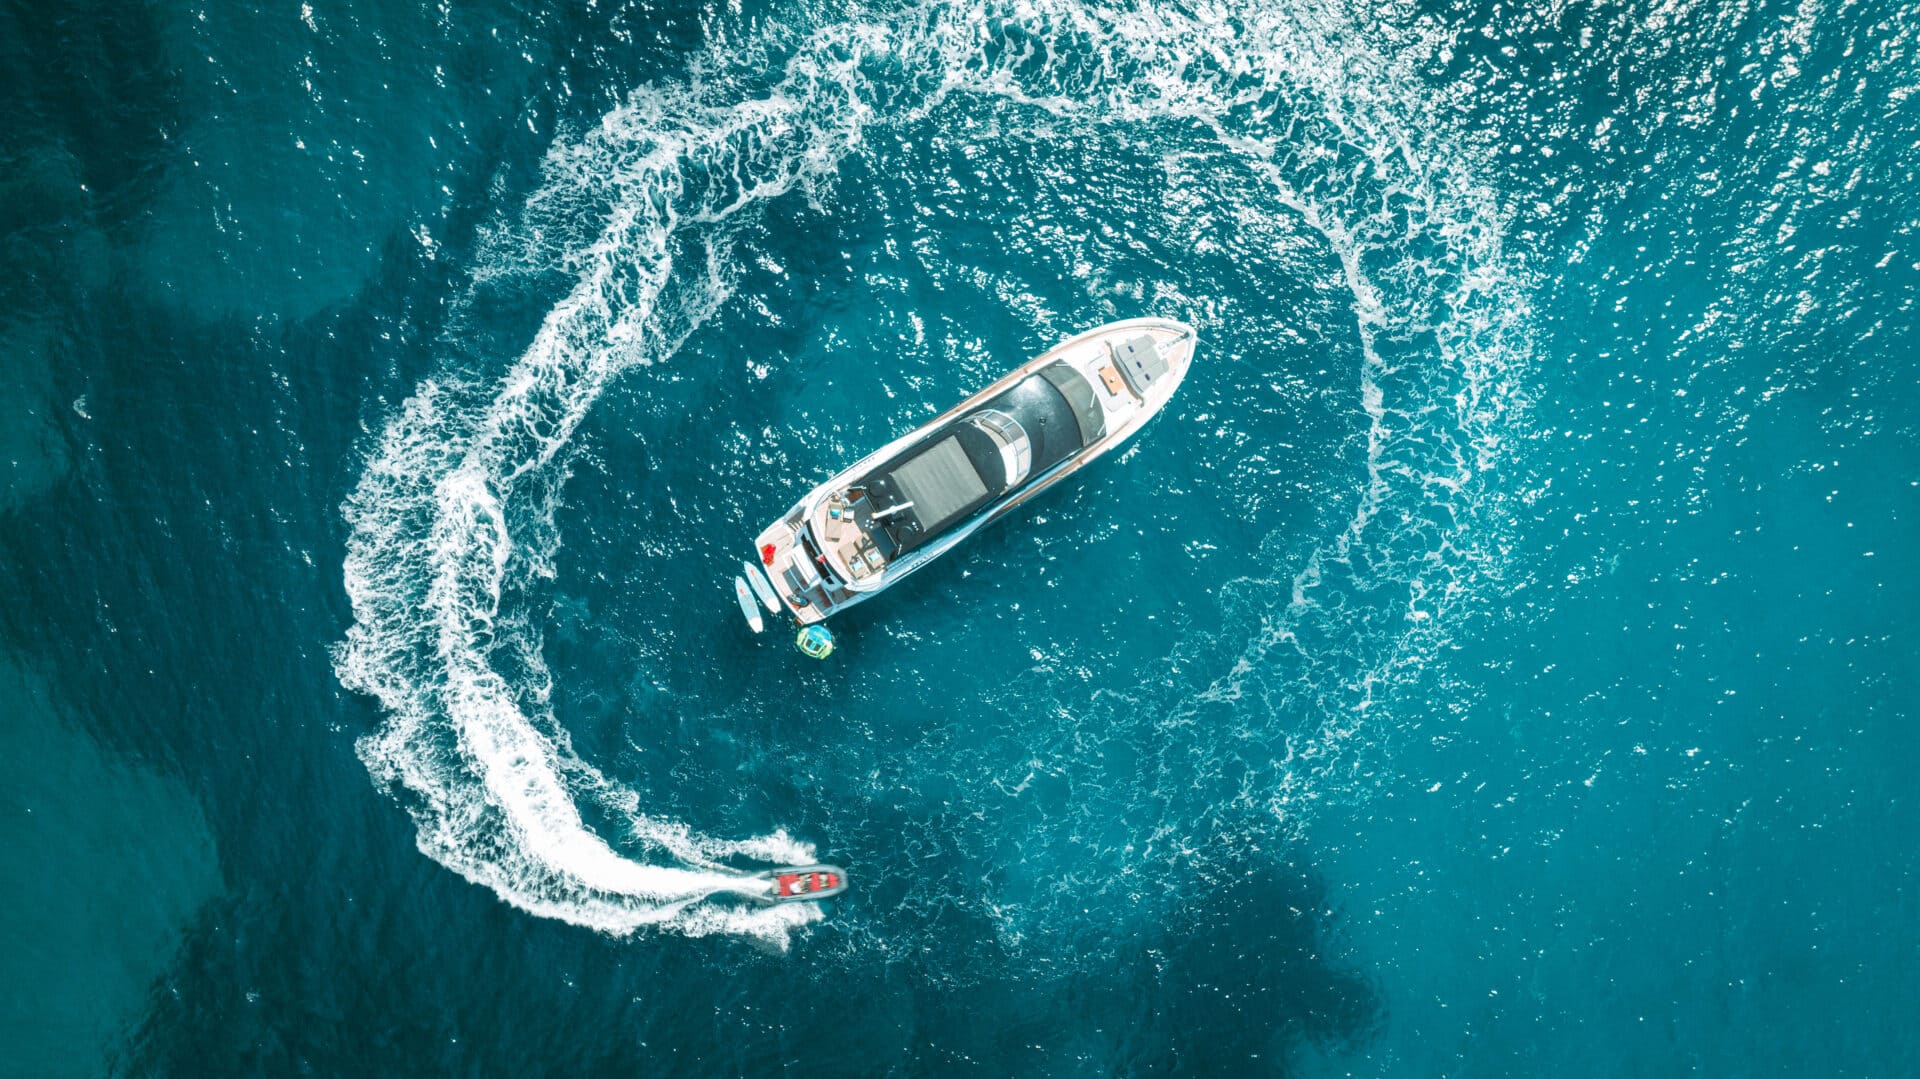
(1494,662)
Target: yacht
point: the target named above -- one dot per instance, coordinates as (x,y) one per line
(912,500)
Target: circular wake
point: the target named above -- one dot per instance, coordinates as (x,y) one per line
(452,518)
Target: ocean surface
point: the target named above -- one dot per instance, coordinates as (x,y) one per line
(1499,659)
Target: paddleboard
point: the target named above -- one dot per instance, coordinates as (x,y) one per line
(761,588)
(747,606)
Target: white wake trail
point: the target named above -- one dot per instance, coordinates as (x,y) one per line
(473,463)
(495,787)
(1348,139)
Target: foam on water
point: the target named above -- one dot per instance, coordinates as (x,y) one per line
(1345,140)
(494,782)
(452,519)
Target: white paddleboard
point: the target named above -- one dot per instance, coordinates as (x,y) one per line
(761,588)
(747,606)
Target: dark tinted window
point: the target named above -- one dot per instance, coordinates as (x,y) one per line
(1087,413)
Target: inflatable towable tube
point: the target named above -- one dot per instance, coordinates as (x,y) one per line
(816,641)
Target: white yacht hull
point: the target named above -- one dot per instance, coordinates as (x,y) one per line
(811,579)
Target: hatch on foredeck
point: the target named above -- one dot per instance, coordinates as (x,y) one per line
(1140,362)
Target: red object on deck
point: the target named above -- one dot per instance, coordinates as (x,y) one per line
(766,555)
(786,882)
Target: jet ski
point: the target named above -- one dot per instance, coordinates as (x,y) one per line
(803,883)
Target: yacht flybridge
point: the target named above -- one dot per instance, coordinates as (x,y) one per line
(910,501)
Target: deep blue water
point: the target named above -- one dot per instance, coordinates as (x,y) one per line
(1496,661)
